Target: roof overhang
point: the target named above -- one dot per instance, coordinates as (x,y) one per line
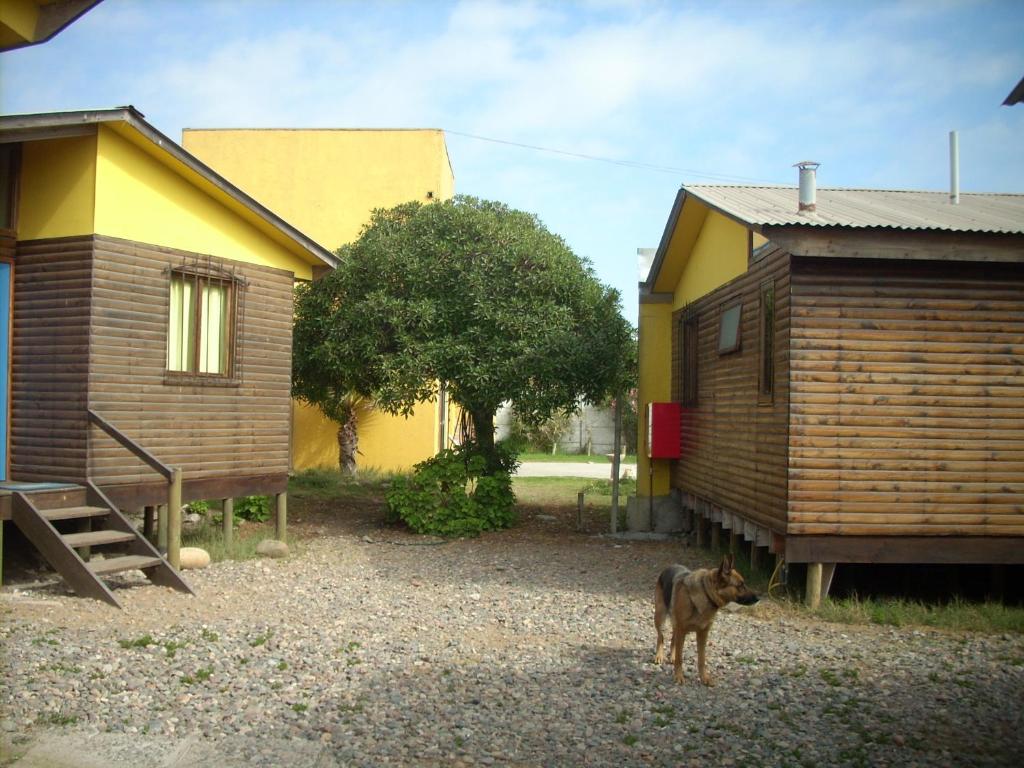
(691,208)
(30,22)
(129,123)
(689,212)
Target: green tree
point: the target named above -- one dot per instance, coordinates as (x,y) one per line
(467,292)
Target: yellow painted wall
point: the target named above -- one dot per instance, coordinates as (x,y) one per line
(138,197)
(18,21)
(718,254)
(58,184)
(654,386)
(325,183)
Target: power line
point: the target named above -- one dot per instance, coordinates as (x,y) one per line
(626,163)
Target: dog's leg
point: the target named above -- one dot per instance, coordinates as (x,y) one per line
(678,636)
(659,625)
(702,644)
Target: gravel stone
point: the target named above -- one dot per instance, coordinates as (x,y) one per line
(372,646)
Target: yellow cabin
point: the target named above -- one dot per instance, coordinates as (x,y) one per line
(327,181)
(145,335)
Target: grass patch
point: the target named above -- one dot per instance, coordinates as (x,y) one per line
(171,647)
(561,491)
(331,484)
(259,640)
(59,718)
(959,615)
(201,676)
(595,458)
(245,538)
(139,642)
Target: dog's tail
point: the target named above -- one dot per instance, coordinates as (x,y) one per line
(668,579)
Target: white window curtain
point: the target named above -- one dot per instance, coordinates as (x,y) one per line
(181,325)
(213,341)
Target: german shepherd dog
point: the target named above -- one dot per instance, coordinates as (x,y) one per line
(691,599)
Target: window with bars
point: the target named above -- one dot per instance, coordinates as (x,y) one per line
(766,362)
(9,162)
(201,324)
(689,358)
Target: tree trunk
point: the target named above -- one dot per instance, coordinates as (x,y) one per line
(483,425)
(348,443)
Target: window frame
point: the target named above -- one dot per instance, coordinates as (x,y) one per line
(13,190)
(724,308)
(200,276)
(766,342)
(689,359)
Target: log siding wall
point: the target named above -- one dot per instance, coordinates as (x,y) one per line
(907,399)
(733,447)
(209,430)
(50,359)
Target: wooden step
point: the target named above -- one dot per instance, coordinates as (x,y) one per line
(70,513)
(126,563)
(95,538)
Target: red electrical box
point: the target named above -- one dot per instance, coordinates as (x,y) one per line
(663,422)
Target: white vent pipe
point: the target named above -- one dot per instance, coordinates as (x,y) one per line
(954,168)
(808,185)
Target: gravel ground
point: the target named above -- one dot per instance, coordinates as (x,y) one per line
(528,647)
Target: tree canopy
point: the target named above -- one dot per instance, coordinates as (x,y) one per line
(467,292)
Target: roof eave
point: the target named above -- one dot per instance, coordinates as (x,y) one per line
(132,117)
(647,286)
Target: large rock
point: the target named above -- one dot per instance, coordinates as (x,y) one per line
(272,548)
(194,558)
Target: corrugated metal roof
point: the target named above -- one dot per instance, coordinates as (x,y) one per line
(866,208)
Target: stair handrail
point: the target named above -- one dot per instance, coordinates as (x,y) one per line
(132,446)
(170,533)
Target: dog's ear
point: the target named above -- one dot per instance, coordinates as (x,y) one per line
(726,567)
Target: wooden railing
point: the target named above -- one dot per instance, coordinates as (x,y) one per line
(169,526)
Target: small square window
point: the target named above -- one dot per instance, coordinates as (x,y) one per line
(729,329)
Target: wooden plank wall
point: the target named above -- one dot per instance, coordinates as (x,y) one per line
(907,398)
(209,431)
(49,359)
(734,448)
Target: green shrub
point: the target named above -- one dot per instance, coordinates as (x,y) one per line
(255,509)
(198,507)
(448,495)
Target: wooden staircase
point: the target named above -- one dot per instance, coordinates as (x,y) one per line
(100,524)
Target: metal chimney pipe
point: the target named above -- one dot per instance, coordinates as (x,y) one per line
(954,168)
(808,185)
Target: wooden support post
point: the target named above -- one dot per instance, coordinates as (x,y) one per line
(174,519)
(828,571)
(84,526)
(161,529)
(2,523)
(228,523)
(812,594)
(997,583)
(734,541)
(148,518)
(716,537)
(579,511)
(282,515)
(755,557)
(702,531)
(616,464)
